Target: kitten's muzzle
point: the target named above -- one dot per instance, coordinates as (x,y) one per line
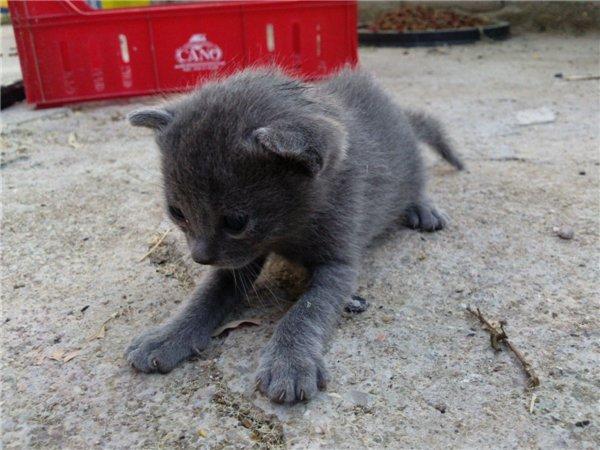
(202,253)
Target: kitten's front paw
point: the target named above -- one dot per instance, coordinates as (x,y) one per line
(425,217)
(290,375)
(162,348)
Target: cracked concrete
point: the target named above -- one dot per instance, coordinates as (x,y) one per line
(81,205)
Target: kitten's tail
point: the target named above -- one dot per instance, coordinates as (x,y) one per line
(430,131)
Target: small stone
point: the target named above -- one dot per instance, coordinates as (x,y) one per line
(359,398)
(565,232)
(535,116)
(441,407)
(356,305)
(582,172)
(247,423)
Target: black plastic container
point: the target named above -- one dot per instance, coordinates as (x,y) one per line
(498,31)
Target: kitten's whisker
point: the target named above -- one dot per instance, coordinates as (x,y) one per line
(255,275)
(268,283)
(234,281)
(244,287)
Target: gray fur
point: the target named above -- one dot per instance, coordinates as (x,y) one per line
(431,132)
(156,119)
(260,163)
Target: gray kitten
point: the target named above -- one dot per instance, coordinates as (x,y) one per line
(262,163)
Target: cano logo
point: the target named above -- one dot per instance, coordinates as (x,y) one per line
(198,54)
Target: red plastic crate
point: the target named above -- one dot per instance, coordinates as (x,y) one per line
(70,52)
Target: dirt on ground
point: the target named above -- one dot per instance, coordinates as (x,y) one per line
(82,205)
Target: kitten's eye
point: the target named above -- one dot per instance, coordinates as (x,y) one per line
(235,224)
(176,214)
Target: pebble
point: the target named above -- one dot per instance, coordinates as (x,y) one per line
(582,423)
(356,305)
(564,232)
(359,398)
(441,407)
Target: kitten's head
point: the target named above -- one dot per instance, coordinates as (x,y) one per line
(245,161)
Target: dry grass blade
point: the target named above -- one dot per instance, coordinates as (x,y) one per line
(497,336)
(99,334)
(64,355)
(235,324)
(73,142)
(155,246)
(532,403)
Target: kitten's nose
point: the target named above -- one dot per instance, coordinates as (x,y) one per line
(202,253)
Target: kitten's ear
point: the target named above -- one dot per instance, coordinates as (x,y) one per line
(156,119)
(318,143)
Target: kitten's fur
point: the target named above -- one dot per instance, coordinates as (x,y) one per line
(318,170)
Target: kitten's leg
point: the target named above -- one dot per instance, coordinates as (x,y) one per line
(188,332)
(291,367)
(425,217)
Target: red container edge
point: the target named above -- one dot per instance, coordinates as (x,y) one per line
(70,52)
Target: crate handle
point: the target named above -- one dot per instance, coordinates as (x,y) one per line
(124,48)
(270,36)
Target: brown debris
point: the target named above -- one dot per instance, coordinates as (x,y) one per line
(266,429)
(101,333)
(156,244)
(63,355)
(497,336)
(421,18)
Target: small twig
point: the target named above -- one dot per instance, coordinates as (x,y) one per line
(532,403)
(155,246)
(498,336)
(533,378)
(495,335)
(581,77)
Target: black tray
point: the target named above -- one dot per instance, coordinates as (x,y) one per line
(497,31)
(11,94)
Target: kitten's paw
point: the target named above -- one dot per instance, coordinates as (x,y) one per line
(290,376)
(425,218)
(162,348)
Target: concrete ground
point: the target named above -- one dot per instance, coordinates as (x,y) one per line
(82,204)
